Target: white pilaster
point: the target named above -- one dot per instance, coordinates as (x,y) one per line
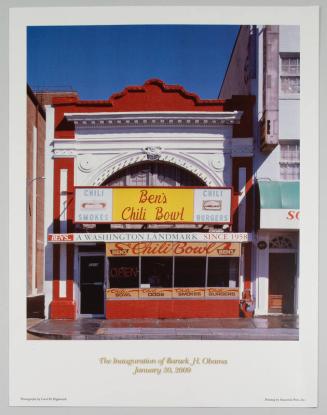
(63,229)
(241,199)
(48,211)
(262,274)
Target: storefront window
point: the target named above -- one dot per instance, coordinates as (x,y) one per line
(157,271)
(190,271)
(124,272)
(223,272)
(169,272)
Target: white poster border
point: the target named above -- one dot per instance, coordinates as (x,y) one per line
(57,364)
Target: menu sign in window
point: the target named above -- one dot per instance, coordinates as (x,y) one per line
(218,293)
(128,293)
(152,205)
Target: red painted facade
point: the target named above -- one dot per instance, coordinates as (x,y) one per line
(172,309)
(154,96)
(63,307)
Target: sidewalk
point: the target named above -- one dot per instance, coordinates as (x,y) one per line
(283,327)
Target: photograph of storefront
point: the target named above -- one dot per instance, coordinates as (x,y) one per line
(165,273)
(164,193)
(162,223)
(162,205)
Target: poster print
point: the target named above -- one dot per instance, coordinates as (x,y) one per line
(231,150)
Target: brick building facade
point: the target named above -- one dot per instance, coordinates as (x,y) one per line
(36,126)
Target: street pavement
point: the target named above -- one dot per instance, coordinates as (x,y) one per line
(281,327)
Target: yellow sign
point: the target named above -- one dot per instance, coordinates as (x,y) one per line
(153,205)
(211,249)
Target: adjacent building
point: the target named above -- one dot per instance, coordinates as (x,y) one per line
(265,63)
(35,191)
(35,142)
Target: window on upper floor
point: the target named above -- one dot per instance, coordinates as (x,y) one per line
(290,160)
(290,74)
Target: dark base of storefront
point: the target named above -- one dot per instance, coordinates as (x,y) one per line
(172,309)
(35,306)
(176,309)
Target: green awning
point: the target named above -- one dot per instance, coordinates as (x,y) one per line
(279,195)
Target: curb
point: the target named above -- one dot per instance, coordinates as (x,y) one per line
(225,334)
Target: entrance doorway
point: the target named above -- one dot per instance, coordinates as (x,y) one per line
(282,270)
(92,284)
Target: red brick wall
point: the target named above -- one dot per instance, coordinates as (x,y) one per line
(29,173)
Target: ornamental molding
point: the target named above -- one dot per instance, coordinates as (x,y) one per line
(62,153)
(195,166)
(101,122)
(86,163)
(282,240)
(152,153)
(151,146)
(218,162)
(192,165)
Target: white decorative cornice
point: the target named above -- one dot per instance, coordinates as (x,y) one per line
(64,153)
(147,120)
(238,147)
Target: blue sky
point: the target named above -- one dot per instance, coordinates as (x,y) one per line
(98,61)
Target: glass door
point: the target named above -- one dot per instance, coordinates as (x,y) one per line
(92,284)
